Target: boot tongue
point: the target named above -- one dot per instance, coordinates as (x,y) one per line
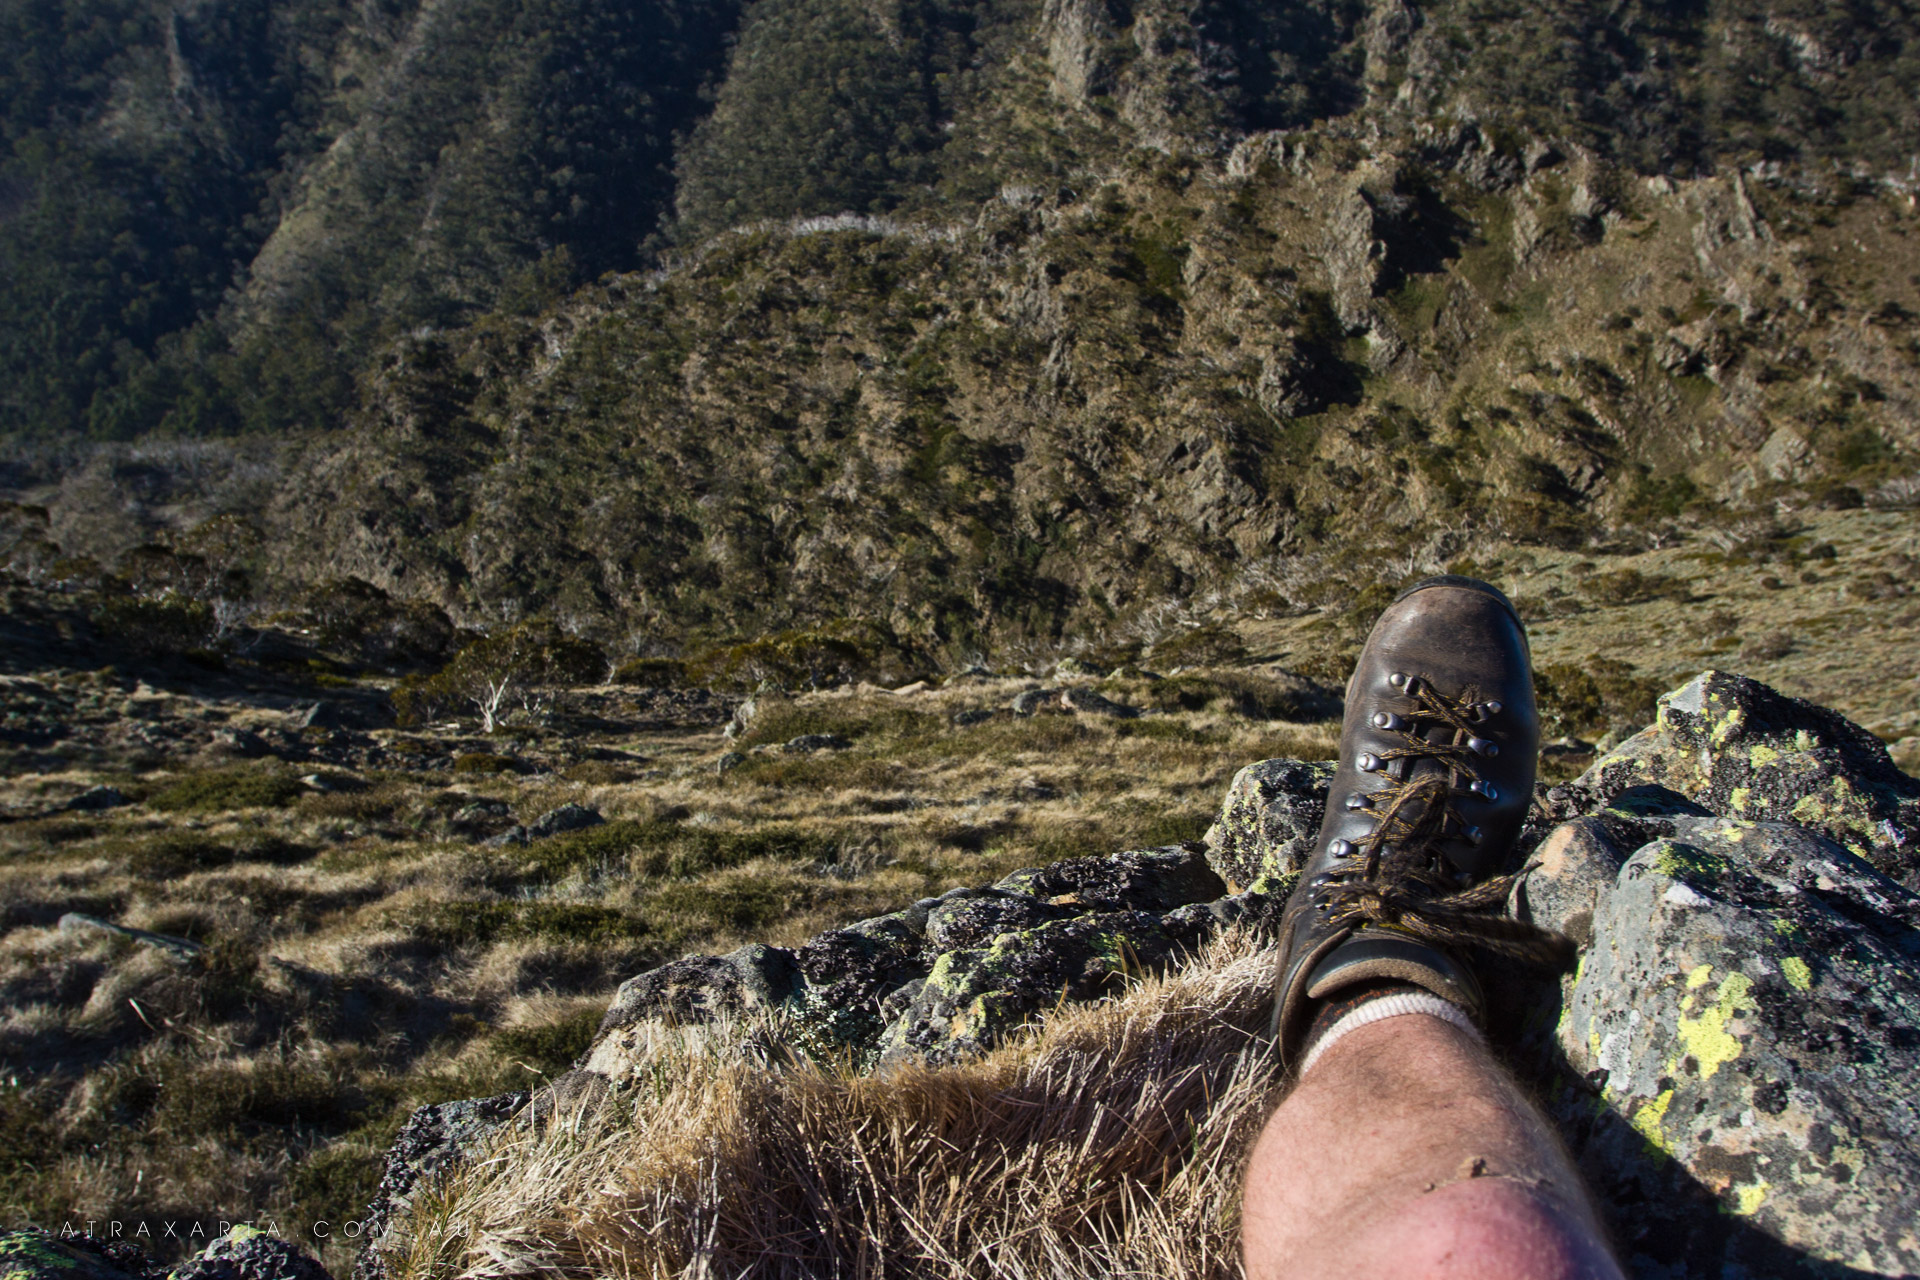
(1421,769)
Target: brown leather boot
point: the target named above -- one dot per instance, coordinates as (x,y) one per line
(1437,758)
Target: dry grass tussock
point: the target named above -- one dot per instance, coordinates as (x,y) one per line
(1107,1144)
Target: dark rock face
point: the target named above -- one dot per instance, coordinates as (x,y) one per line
(243,1253)
(432,1139)
(848,973)
(975,997)
(977,921)
(246,1254)
(1155,880)
(32,1254)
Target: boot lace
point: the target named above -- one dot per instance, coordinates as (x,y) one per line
(1398,877)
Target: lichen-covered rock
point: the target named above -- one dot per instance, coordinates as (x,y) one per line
(1743,1036)
(848,972)
(32,1254)
(1139,879)
(433,1139)
(1731,1063)
(568,817)
(1087,702)
(1744,751)
(1267,822)
(974,998)
(700,988)
(248,1253)
(977,919)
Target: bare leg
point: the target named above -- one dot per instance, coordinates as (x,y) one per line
(1407,1153)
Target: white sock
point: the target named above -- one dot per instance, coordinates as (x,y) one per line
(1393,1004)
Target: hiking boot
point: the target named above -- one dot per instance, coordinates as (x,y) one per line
(1437,757)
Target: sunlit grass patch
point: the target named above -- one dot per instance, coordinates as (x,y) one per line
(465,924)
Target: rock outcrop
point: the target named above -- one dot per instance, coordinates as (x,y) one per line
(1744,751)
(1728,1061)
(241,1253)
(948,977)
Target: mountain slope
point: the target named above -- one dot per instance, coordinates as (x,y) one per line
(1326,357)
(213,216)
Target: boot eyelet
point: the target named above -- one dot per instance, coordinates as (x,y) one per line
(1486,791)
(1483,747)
(1388,721)
(1341,848)
(1367,762)
(1473,835)
(1398,679)
(1356,802)
(1491,708)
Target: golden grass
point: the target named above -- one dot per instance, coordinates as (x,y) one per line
(1108,1143)
(340,916)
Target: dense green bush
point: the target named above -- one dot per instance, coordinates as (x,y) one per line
(517,669)
(165,624)
(359,620)
(657,673)
(805,659)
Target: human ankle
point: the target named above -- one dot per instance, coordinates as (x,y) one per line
(1363,1004)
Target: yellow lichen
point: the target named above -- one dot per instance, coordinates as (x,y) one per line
(1759,756)
(1739,797)
(1747,1200)
(1705,1035)
(1728,727)
(1797,973)
(1651,1115)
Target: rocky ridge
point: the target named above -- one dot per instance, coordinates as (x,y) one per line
(1725,1061)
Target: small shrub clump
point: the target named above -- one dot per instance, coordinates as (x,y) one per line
(220,790)
(1592,696)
